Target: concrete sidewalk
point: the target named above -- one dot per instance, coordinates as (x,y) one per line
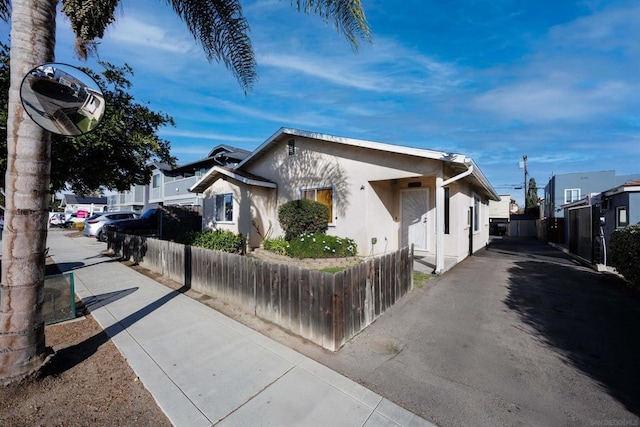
(203,368)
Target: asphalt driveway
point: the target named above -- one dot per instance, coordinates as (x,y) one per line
(518,334)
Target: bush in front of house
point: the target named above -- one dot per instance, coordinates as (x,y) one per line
(219,240)
(318,245)
(624,248)
(299,217)
(276,245)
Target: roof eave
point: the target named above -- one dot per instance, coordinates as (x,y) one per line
(209,178)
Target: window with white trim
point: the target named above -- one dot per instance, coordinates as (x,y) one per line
(571,195)
(322,195)
(156,181)
(622,217)
(223,207)
(476,213)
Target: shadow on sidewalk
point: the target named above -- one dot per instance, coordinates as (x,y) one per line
(96,301)
(69,357)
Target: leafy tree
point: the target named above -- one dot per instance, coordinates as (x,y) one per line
(531,204)
(221,29)
(113,156)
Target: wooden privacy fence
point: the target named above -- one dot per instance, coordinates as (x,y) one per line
(327,309)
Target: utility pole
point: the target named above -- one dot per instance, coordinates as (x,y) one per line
(526,175)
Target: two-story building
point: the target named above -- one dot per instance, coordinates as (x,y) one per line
(571,187)
(169,185)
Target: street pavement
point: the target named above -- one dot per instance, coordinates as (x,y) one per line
(519,334)
(204,368)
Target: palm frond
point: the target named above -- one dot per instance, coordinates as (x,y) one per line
(5,10)
(220,27)
(347,16)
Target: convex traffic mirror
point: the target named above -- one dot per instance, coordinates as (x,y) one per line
(62,99)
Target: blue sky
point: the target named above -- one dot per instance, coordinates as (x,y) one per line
(494,80)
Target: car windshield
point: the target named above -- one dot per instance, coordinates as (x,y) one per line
(148,213)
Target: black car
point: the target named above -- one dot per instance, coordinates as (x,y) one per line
(148,224)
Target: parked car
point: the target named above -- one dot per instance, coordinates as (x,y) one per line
(57,219)
(148,224)
(71,221)
(94,225)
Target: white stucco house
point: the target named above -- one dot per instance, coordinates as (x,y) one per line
(383,196)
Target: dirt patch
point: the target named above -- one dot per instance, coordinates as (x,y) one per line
(87,382)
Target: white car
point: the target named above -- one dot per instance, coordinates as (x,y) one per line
(57,219)
(93,226)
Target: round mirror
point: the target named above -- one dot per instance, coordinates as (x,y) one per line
(62,99)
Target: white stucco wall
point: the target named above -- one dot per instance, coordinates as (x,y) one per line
(253,208)
(500,209)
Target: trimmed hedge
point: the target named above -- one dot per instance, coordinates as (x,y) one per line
(298,217)
(624,248)
(219,240)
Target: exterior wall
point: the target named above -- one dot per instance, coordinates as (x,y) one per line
(629,199)
(253,210)
(176,191)
(464,200)
(366,187)
(634,208)
(132,200)
(500,209)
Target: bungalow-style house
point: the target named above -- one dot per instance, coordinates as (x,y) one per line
(383,196)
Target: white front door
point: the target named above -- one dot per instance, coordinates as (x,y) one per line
(414,225)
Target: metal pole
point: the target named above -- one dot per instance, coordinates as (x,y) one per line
(524,159)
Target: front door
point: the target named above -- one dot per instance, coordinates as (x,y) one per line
(414,225)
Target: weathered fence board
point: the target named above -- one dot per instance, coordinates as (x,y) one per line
(294,296)
(327,309)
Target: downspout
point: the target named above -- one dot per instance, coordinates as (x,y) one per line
(440,184)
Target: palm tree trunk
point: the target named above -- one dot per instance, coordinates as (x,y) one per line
(22,344)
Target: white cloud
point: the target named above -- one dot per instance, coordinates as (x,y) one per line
(209,135)
(581,72)
(386,67)
(133,31)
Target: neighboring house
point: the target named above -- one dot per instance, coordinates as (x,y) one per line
(170,186)
(596,216)
(72,204)
(499,213)
(383,196)
(620,206)
(135,199)
(570,187)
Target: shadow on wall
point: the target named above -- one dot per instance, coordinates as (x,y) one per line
(309,169)
(590,319)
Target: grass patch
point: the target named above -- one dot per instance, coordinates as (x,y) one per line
(420,279)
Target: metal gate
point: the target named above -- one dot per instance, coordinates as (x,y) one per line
(583,233)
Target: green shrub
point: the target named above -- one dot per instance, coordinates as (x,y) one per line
(219,240)
(318,245)
(299,217)
(276,245)
(624,248)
